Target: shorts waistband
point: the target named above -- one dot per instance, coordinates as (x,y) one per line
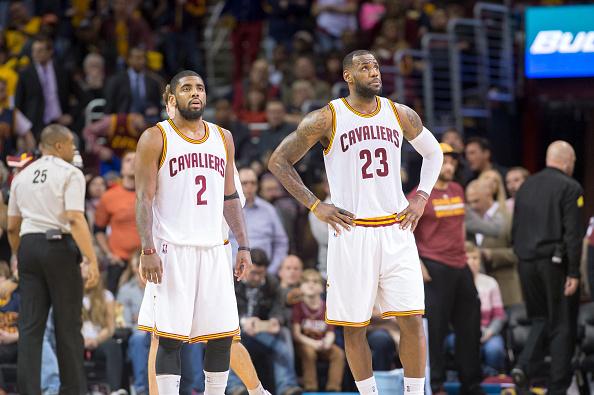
(374,222)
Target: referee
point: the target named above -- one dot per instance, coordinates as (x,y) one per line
(46,223)
(547,239)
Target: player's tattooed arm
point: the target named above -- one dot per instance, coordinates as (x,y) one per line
(146,166)
(148,153)
(411,122)
(233,212)
(315,127)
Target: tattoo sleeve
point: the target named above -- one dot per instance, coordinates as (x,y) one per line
(232,210)
(313,128)
(412,124)
(147,156)
(233,214)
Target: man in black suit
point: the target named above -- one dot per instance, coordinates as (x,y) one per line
(44,88)
(547,239)
(133,91)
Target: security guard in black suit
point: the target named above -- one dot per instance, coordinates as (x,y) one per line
(46,224)
(547,238)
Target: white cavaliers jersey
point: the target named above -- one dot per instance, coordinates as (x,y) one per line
(188,204)
(363,159)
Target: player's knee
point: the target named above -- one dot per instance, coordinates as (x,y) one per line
(412,324)
(217,355)
(168,360)
(353,334)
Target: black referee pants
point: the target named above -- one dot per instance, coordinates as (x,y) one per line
(49,275)
(553,319)
(452,299)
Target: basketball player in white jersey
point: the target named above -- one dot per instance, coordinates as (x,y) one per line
(372,255)
(185,187)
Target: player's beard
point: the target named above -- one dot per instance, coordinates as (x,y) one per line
(188,114)
(366,91)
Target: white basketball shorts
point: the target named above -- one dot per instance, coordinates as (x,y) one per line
(374,263)
(195,301)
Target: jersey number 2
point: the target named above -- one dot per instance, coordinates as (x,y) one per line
(381,154)
(201,181)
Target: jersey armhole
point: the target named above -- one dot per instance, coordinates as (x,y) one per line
(393,105)
(224,142)
(164,150)
(333,111)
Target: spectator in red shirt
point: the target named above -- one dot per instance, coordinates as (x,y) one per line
(313,337)
(450,294)
(116,210)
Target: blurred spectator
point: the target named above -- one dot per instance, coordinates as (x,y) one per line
(114,134)
(185,25)
(313,337)
(130,297)
(304,69)
(15,128)
(133,90)
(264,227)
(454,139)
(287,17)
(96,187)
(548,247)
(514,179)
(303,43)
(10,76)
(21,26)
(383,336)
(497,253)
(116,209)
(302,93)
(91,86)
(450,293)
(438,22)
(246,36)
(225,118)
(9,314)
(480,158)
(47,77)
(124,29)
(280,65)
(333,69)
(371,14)
(333,19)
(97,330)
(286,206)
(497,188)
(492,316)
(278,127)
(319,230)
(261,316)
(290,275)
(258,79)
(254,107)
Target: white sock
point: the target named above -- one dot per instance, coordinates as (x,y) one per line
(259,390)
(413,385)
(367,386)
(215,382)
(168,384)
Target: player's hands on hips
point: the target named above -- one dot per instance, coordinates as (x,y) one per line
(336,217)
(151,268)
(412,213)
(243,263)
(571,285)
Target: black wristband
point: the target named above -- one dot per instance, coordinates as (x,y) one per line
(234,195)
(241,248)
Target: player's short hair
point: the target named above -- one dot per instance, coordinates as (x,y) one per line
(186,73)
(347,62)
(481,141)
(259,257)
